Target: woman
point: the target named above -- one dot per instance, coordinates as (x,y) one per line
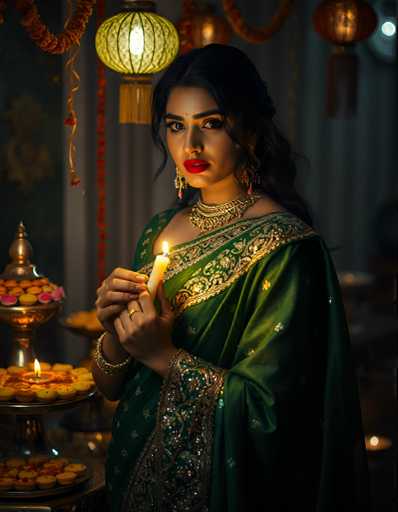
(236,388)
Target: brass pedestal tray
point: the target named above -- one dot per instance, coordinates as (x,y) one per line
(30,436)
(97,415)
(27,299)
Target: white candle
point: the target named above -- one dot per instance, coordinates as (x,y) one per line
(159,268)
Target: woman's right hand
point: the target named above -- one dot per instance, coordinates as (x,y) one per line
(115,292)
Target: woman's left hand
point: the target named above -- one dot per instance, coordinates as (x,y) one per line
(145,334)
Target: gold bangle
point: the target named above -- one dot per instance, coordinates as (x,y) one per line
(104,365)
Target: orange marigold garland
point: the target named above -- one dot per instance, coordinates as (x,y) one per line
(256,35)
(71,119)
(101,219)
(46,40)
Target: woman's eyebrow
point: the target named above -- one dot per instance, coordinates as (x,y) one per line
(195,116)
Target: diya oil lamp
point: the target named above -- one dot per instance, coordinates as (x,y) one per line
(38,376)
(39,304)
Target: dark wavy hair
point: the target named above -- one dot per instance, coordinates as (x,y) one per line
(242,96)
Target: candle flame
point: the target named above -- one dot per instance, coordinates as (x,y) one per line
(165,248)
(374,440)
(37,368)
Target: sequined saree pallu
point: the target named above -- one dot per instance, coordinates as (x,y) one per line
(260,406)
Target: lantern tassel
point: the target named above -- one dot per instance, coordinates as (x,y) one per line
(342,82)
(135,99)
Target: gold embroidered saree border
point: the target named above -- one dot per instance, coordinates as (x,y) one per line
(173,472)
(232,263)
(246,242)
(192,252)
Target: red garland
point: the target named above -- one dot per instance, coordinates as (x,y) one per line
(101,220)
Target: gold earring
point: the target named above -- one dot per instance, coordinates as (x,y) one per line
(246,181)
(179,183)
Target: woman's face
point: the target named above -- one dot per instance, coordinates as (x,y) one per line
(196,138)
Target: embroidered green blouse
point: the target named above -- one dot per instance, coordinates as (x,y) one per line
(261,405)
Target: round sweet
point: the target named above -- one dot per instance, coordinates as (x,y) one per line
(15,462)
(61,461)
(84,376)
(79,469)
(36,460)
(25,395)
(58,294)
(42,281)
(27,299)
(66,392)
(6,483)
(82,386)
(45,298)
(46,395)
(10,283)
(14,370)
(66,478)
(80,370)
(61,367)
(16,291)
(24,485)
(34,290)
(46,481)
(27,474)
(54,464)
(8,300)
(6,394)
(25,283)
(12,473)
(3,290)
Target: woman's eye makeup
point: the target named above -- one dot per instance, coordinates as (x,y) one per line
(209,123)
(213,122)
(174,126)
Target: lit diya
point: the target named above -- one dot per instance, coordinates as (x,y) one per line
(37,376)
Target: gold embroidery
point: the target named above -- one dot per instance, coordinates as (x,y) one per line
(173,472)
(192,252)
(266,284)
(246,242)
(215,276)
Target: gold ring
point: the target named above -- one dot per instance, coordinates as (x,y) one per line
(132,311)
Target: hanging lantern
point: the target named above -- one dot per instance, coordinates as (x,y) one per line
(343,23)
(137,42)
(208,27)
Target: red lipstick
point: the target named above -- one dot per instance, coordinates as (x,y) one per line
(195,165)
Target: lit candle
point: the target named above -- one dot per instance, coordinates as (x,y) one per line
(377,443)
(159,268)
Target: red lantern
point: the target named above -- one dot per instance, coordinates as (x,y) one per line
(343,23)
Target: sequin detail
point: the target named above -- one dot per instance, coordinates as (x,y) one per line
(174,469)
(266,285)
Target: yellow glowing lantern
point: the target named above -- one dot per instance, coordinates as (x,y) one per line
(136,42)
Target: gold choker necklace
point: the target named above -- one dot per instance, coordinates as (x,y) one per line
(207,217)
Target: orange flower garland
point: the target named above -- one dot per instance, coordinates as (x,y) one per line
(256,35)
(48,41)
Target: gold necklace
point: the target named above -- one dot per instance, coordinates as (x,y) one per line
(207,217)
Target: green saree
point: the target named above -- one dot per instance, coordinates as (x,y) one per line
(260,409)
